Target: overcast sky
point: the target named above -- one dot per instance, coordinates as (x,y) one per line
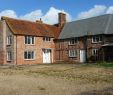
(48,9)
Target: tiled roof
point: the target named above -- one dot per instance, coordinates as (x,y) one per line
(92,26)
(22,27)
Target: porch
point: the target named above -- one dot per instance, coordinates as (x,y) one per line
(107,52)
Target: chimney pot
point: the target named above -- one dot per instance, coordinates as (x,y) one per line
(39,21)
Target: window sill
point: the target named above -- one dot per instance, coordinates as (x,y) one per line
(29,59)
(8,45)
(72,44)
(30,44)
(9,60)
(47,41)
(96,42)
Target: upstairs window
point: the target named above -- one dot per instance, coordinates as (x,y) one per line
(73,41)
(96,39)
(30,40)
(72,53)
(9,56)
(9,40)
(47,39)
(29,55)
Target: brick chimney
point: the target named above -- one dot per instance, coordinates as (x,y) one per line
(62,19)
(39,21)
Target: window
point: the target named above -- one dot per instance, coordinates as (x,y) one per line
(9,56)
(46,39)
(72,53)
(29,55)
(29,40)
(96,39)
(72,41)
(95,52)
(9,40)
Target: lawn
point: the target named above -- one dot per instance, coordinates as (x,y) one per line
(57,79)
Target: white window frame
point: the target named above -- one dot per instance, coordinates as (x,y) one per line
(9,40)
(94,39)
(46,39)
(72,53)
(29,40)
(29,57)
(9,56)
(95,52)
(73,41)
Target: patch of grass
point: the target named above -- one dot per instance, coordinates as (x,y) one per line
(105,64)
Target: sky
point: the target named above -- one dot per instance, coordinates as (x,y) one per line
(48,9)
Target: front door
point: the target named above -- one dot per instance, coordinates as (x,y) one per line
(82,56)
(46,56)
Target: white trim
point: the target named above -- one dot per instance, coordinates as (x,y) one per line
(72,53)
(9,40)
(47,39)
(73,39)
(82,55)
(9,56)
(94,50)
(94,39)
(34,55)
(51,56)
(30,40)
(45,58)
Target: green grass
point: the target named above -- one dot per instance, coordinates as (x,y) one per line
(105,64)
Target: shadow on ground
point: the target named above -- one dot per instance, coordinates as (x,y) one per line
(106,91)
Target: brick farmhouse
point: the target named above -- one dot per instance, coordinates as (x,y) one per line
(87,40)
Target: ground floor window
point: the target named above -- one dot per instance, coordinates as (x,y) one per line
(9,56)
(95,52)
(72,53)
(29,55)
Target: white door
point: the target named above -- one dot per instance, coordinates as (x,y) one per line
(46,56)
(82,56)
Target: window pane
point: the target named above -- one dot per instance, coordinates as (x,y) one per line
(29,55)
(25,55)
(9,56)
(73,41)
(96,38)
(25,39)
(10,39)
(46,38)
(32,55)
(29,40)
(72,53)
(95,52)
(32,40)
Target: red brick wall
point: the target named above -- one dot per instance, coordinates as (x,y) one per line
(63,47)
(39,45)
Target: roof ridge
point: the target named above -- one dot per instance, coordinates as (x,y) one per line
(5,18)
(77,20)
(108,24)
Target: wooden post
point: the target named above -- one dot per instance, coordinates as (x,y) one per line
(103,52)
